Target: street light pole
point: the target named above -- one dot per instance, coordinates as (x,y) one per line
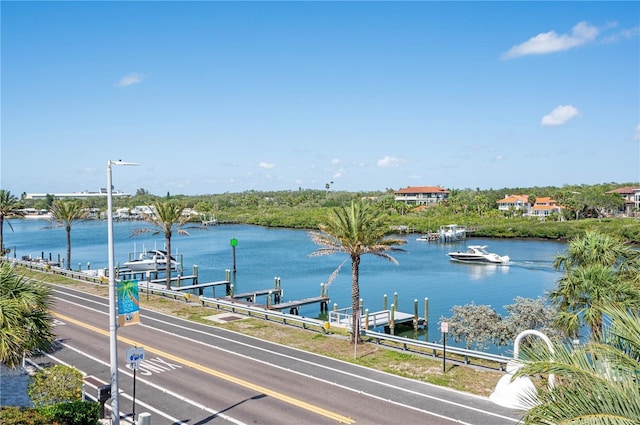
(113,318)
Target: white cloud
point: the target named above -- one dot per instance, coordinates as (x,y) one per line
(335,161)
(560,115)
(551,42)
(129,80)
(636,136)
(266,165)
(389,161)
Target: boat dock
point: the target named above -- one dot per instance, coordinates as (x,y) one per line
(199,287)
(378,319)
(294,306)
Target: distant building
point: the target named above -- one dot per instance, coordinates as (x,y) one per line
(631,196)
(515,203)
(78,195)
(421,195)
(544,207)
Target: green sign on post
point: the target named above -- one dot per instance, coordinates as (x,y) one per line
(234,242)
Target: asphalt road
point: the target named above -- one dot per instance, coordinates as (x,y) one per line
(198,374)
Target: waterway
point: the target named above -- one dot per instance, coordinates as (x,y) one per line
(262,254)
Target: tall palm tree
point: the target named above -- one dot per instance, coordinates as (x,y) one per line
(355,230)
(25,324)
(8,203)
(68,212)
(167,217)
(596,383)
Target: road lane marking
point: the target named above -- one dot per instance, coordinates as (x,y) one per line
(221,375)
(353,375)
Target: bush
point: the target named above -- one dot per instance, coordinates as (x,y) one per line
(74,413)
(10,415)
(56,384)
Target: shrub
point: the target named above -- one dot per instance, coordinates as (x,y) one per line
(11,415)
(56,384)
(73,413)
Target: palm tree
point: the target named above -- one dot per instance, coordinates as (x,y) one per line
(582,289)
(168,217)
(355,230)
(67,213)
(596,383)
(25,324)
(597,248)
(8,203)
(598,268)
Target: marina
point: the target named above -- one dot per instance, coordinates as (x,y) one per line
(424,270)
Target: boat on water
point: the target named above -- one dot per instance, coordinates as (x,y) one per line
(478,254)
(452,232)
(153,260)
(34,214)
(429,237)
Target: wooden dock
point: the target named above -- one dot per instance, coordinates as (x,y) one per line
(294,306)
(253,295)
(199,287)
(378,319)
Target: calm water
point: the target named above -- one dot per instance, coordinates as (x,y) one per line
(265,253)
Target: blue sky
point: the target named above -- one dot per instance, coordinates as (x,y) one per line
(214,97)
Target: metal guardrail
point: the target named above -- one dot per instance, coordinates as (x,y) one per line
(236,306)
(268,315)
(414,345)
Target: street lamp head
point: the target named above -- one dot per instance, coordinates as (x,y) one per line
(121,162)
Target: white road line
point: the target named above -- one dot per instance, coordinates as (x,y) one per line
(158,387)
(394,387)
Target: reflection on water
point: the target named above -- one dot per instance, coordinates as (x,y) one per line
(483,271)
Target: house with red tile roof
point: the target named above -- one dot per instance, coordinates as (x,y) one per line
(515,203)
(631,196)
(421,195)
(544,207)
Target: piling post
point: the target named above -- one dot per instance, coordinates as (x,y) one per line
(395,299)
(227,274)
(269,299)
(384,302)
(79,267)
(231,290)
(366,319)
(361,304)
(415,314)
(392,324)
(195,274)
(426,312)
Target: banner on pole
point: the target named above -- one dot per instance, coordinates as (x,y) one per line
(128,303)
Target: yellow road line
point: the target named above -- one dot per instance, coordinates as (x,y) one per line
(279,396)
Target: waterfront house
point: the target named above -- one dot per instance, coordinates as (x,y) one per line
(631,196)
(544,207)
(421,195)
(515,203)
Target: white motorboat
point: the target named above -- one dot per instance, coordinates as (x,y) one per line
(154,260)
(452,232)
(478,254)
